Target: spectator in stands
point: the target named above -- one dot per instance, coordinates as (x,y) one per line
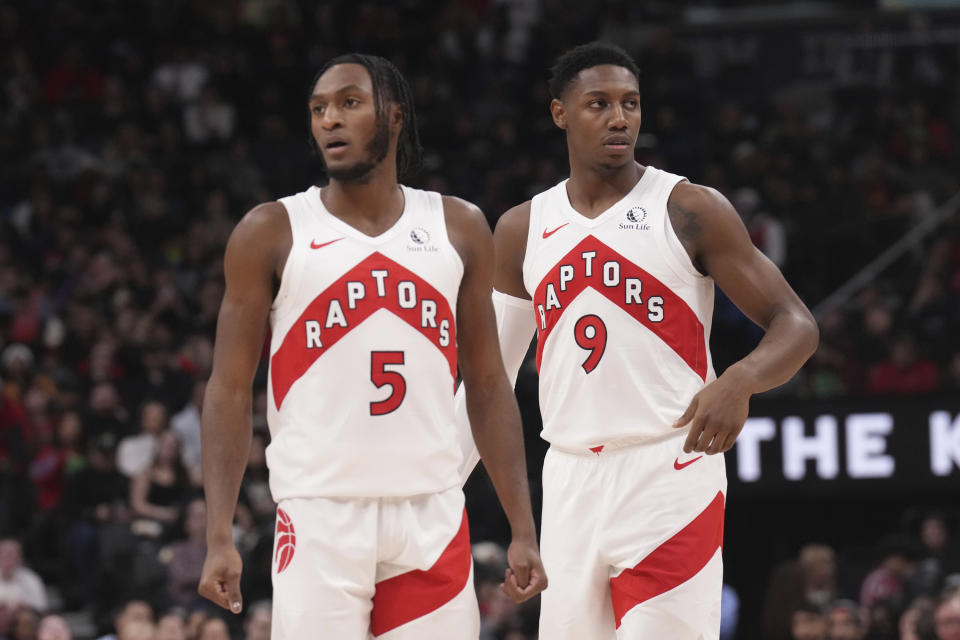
(19,585)
(94,500)
(158,492)
(916,623)
(845,622)
(23,624)
(257,624)
(807,622)
(53,627)
(171,626)
(905,371)
(888,581)
(106,413)
(214,629)
(186,559)
(136,453)
(131,612)
(195,620)
(137,630)
(186,424)
(809,578)
(939,558)
(946,617)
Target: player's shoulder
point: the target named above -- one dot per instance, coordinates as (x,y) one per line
(514,223)
(697,198)
(462,211)
(263,229)
(263,217)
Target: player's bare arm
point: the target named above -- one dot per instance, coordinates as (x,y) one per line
(718,244)
(491,405)
(510,245)
(252,264)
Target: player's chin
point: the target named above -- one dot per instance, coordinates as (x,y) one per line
(611,162)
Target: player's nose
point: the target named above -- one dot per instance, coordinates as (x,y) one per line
(618,118)
(331,119)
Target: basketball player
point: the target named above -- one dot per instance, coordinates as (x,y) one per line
(614,269)
(375,293)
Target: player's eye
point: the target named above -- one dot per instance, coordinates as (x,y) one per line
(351,102)
(597,104)
(631,104)
(318,109)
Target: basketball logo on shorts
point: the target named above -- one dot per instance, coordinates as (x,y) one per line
(286,540)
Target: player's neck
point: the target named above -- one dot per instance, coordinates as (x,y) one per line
(371,206)
(592,190)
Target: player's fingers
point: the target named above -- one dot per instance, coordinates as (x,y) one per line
(718,443)
(214,591)
(729,441)
(234,599)
(706,437)
(694,435)
(538,582)
(521,570)
(687,415)
(509,586)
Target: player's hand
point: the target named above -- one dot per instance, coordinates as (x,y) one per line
(525,576)
(220,579)
(716,415)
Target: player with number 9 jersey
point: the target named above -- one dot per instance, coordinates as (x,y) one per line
(614,268)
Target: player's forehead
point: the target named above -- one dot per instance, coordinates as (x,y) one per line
(343,77)
(609,79)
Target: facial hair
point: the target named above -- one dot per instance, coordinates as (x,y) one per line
(377,148)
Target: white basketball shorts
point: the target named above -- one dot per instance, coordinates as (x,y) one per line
(354,569)
(631,542)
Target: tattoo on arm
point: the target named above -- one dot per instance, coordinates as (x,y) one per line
(686,224)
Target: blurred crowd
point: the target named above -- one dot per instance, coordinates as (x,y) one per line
(906,588)
(133,135)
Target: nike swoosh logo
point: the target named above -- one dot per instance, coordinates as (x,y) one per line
(547,234)
(680,465)
(314,245)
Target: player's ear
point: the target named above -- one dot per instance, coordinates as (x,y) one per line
(558,113)
(396,118)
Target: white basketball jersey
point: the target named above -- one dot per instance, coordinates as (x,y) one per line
(363,355)
(623,317)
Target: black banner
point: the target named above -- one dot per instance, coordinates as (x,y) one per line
(902,446)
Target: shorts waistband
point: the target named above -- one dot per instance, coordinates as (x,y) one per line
(618,444)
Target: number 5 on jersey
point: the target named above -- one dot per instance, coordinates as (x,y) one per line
(591,334)
(379,360)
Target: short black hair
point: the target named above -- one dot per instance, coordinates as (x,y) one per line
(585,56)
(389,87)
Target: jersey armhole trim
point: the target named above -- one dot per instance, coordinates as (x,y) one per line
(450,251)
(674,252)
(513,301)
(530,250)
(292,267)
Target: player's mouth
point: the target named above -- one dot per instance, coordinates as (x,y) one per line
(617,143)
(335,147)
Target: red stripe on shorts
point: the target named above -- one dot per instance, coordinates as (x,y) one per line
(410,595)
(672,563)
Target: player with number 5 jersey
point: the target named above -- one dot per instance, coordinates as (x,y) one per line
(376,295)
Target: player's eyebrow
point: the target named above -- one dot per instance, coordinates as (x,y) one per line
(343,89)
(601,92)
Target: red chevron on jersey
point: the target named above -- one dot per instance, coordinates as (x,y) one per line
(377,282)
(650,302)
